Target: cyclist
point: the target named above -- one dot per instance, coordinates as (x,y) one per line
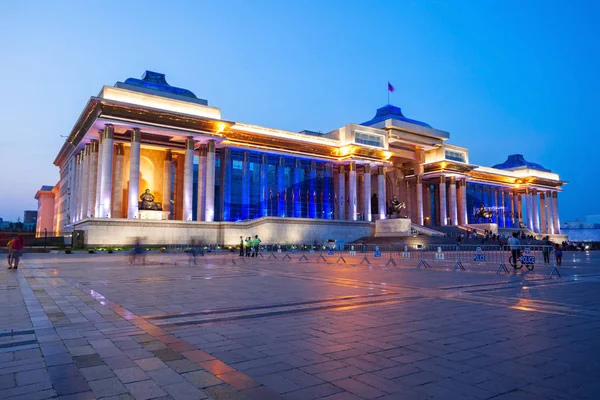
(515,245)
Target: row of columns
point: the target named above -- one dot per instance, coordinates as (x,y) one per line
(541,211)
(349,197)
(92,185)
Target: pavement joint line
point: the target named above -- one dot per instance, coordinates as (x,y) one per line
(261,307)
(334,307)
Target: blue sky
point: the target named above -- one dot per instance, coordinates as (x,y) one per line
(502,77)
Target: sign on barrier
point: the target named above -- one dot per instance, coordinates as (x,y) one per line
(439,255)
(330,252)
(376,253)
(352,251)
(478,256)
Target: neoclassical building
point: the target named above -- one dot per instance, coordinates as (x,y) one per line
(153,160)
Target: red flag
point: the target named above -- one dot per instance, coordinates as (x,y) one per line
(390,87)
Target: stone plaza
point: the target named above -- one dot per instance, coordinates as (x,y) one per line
(91,326)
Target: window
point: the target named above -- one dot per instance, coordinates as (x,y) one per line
(368,139)
(455,156)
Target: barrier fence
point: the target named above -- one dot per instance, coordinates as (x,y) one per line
(450,256)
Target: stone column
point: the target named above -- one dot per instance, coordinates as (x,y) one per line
(107,167)
(281,187)
(528,198)
(77,178)
(556,217)
(117,204)
(209,212)
(97,210)
(463,200)
(245,185)
(327,188)
(312,187)
(536,211)
(550,213)
(352,191)
(519,207)
(167,181)
(188,179)
(201,194)
(381,195)
(367,193)
(264,183)
(91,204)
(133,193)
(496,207)
(72,189)
(342,193)
(427,206)
(225,186)
(86,182)
(453,202)
(419,199)
(544,226)
(443,200)
(503,195)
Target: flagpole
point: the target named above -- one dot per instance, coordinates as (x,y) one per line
(388,94)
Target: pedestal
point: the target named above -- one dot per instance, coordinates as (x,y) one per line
(392,227)
(153,215)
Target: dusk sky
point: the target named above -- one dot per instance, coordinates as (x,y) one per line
(502,77)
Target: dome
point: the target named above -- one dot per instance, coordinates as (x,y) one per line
(392,112)
(157,81)
(517,161)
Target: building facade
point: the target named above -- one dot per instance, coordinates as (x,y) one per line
(199,172)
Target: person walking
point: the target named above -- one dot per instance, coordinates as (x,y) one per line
(241,246)
(17,252)
(515,246)
(558,254)
(546,249)
(9,245)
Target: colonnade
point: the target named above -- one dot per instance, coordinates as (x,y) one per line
(537,210)
(97,179)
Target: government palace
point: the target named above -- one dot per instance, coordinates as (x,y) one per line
(151,160)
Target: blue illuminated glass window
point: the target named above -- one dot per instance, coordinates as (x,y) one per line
(455,156)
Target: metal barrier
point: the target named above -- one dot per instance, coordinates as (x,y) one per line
(455,257)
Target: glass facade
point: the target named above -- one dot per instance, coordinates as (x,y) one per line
(290,187)
(488,203)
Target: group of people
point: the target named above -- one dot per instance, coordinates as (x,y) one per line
(15,251)
(548,246)
(250,246)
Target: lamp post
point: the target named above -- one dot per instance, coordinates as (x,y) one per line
(45,237)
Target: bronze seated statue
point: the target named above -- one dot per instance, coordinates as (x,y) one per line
(396,207)
(148,202)
(483,215)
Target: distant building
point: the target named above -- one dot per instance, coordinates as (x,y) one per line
(30,216)
(47,213)
(588,231)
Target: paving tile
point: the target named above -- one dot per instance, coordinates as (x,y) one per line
(165,376)
(202,379)
(97,372)
(131,374)
(107,387)
(89,360)
(70,385)
(184,391)
(144,390)
(149,364)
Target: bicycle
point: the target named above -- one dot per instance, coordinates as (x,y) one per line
(521,261)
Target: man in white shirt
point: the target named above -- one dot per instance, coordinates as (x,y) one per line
(515,246)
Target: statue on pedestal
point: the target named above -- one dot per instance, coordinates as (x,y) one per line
(483,215)
(397,205)
(148,202)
